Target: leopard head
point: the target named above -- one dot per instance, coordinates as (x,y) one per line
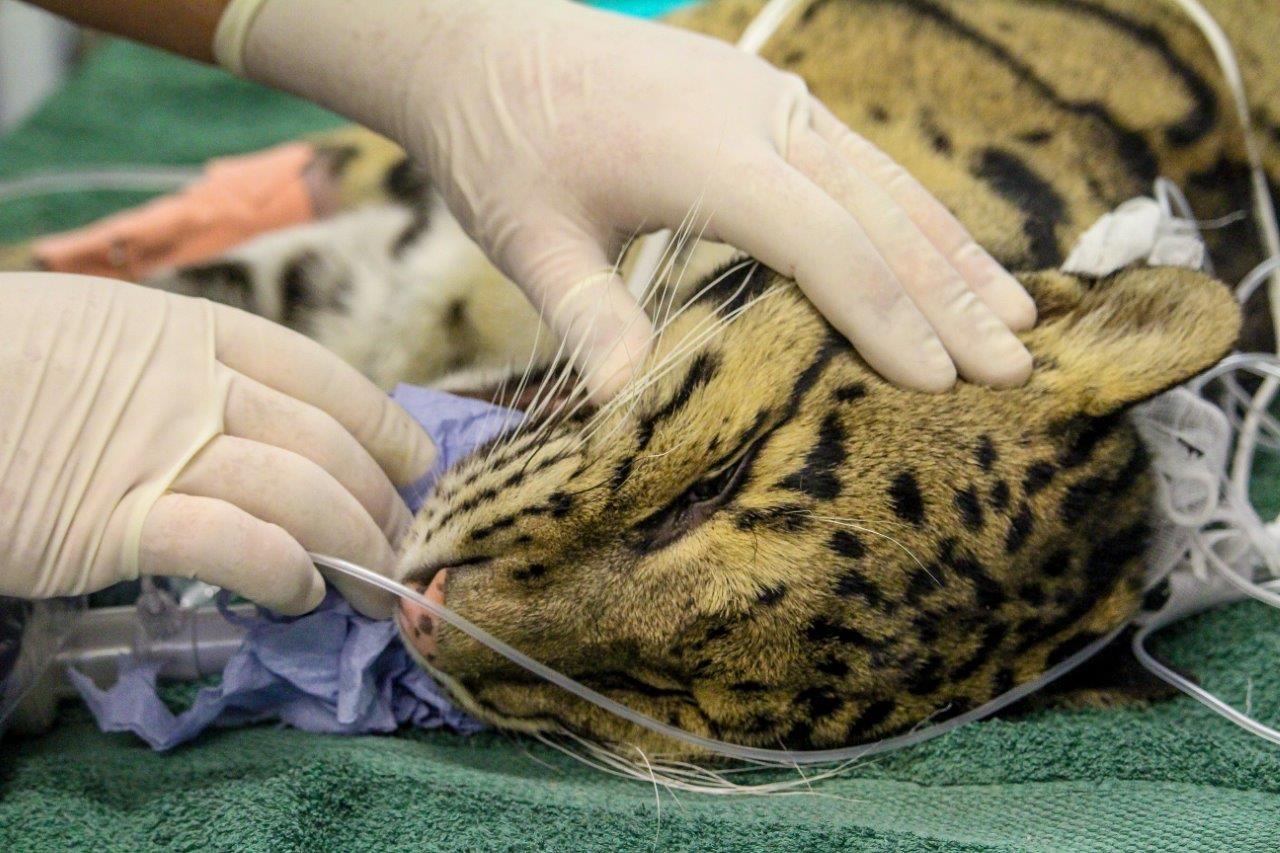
(762,541)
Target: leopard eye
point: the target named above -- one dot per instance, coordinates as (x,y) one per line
(717,486)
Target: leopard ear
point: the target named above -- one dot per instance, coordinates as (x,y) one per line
(1103,344)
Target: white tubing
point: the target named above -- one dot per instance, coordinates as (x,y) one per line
(728,750)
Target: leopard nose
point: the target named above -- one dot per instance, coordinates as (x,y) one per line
(417,625)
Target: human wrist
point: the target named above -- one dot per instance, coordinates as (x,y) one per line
(359,58)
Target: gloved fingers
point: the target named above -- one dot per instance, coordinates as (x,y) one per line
(571,281)
(300,368)
(981,345)
(219,543)
(264,415)
(283,488)
(984,275)
(808,236)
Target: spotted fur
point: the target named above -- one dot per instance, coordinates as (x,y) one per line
(771,545)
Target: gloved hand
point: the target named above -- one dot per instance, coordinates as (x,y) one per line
(147,433)
(556,131)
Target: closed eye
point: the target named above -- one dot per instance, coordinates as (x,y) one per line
(696,504)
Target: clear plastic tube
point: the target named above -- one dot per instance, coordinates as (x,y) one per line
(728,750)
(122,178)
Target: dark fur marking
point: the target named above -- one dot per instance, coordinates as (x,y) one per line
(418,225)
(970,508)
(748,687)
(787,517)
(986,453)
(1202,116)
(1032,593)
(533,571)
(1036,137)
(771,594)
(405,182)
(818,701)
(1002,682)
(493,527)
(926,677)
(872,716)
(854,583)
(993,637)
(702,369)
(1015,181)
(1038,476)
(1019,529)
(1056,564)
(922,582)
(621,473)
(847,544)
(1068,647)
(833,666)
(1089,432)
(1000,496)
(818,476)
(850,392)
(908,503)
(822,630)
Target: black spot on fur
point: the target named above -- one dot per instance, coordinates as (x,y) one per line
(1038,476)
(854,583)
(819,702)
(748,687)
(822,630)
(419,222)
(921,583)
(872,716)
(908,503)
(1019,529)
(1036,137)
(833,666)
(850,392)
(992,638)
(405,182)
(1069,646)
(1015,181)
(772,594)
(986,453)
(1056,564)
(970,508)
(999,496)
(818,477)
(701,370)
(621,473)
(926,678)
(559,504)
(493,527)
(529,572)
(847,544)
(1088,433)
(228,282)
(785,517)
(1002,682)
(878,114)
(1032,593)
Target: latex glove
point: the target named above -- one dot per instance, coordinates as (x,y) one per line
(147,433)
(556,132)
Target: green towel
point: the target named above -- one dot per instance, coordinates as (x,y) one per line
(1171,777)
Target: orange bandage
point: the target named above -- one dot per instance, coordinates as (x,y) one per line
(237,198)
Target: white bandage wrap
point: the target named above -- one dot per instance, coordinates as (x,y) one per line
(233,32)
(1141,229)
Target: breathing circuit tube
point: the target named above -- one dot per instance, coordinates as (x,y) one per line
(719,747)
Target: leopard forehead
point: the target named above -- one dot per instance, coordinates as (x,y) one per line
(870,561)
